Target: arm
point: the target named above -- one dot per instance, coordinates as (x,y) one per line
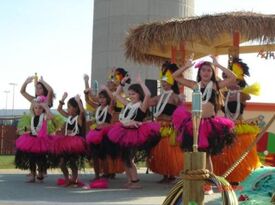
(177,75)
(231,77)
(50,91)
(49,115)
(61,103)
(81,110)
(147,95)
(86,81)
(89,98)
(23,89)
(119,90)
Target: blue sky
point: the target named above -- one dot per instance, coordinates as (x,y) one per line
(54,39)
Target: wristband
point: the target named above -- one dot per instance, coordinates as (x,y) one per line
(61,102)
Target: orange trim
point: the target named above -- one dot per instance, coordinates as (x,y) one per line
(253,106)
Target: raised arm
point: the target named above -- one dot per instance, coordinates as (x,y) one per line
(147,95)
(81,110)
(86,81)
(177,75)
(61,103)
(50,91)
(49,115)
(89,98)
(119,90)
(231,77)
(23,89)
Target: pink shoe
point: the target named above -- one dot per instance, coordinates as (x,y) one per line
(99,184)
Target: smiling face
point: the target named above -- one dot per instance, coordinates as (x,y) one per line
(206,73)
(134,96)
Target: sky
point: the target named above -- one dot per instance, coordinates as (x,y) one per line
(53,38)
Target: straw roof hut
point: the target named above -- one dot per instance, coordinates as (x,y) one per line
(151,43)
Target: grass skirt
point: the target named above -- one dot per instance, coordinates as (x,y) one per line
(166,158)
(125,142)
(214,133)
(232,153)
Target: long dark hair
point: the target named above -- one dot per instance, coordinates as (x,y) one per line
(220,99)
(172,67)
(45,93)
(138,89)
(105,95)
(72,102)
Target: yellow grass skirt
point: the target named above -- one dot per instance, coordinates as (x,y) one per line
(246,134)
(166,158)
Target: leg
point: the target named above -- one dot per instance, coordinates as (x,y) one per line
(33,171)
(96,167)
(65,171)
(74,169)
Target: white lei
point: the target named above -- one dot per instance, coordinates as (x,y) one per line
(229,114)
(207,92)
(131,110)
(101,113)
(36,129)
(72,120)
(162,102)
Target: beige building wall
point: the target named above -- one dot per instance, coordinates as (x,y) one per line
(112,20)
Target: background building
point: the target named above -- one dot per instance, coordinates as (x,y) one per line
(112,20)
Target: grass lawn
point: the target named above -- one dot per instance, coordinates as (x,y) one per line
(7,162)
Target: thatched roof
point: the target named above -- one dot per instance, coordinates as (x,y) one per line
(203,35)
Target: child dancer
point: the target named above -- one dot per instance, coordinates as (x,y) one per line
(42,88)
(96,137)
(70,148)
(166,158)
(33,146)
(236,96)
(131,134)
(214,132)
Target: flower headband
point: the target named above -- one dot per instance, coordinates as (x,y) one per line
(40,99)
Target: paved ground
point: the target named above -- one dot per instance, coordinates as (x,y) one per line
(14,190)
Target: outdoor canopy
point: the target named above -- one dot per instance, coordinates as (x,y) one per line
(153,43)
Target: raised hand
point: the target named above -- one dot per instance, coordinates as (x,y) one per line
(214,59)
(138,79)
(86,77)
(29,79)
(65,95)
(77,97)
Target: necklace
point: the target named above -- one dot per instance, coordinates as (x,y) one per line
(72,120)
(162,102)
(101,113)
(129,113)
(229,114)
(36,129)
(207,92)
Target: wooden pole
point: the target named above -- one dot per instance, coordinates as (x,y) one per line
(193,189)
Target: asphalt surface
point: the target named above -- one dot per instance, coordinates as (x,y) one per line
(14,190)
